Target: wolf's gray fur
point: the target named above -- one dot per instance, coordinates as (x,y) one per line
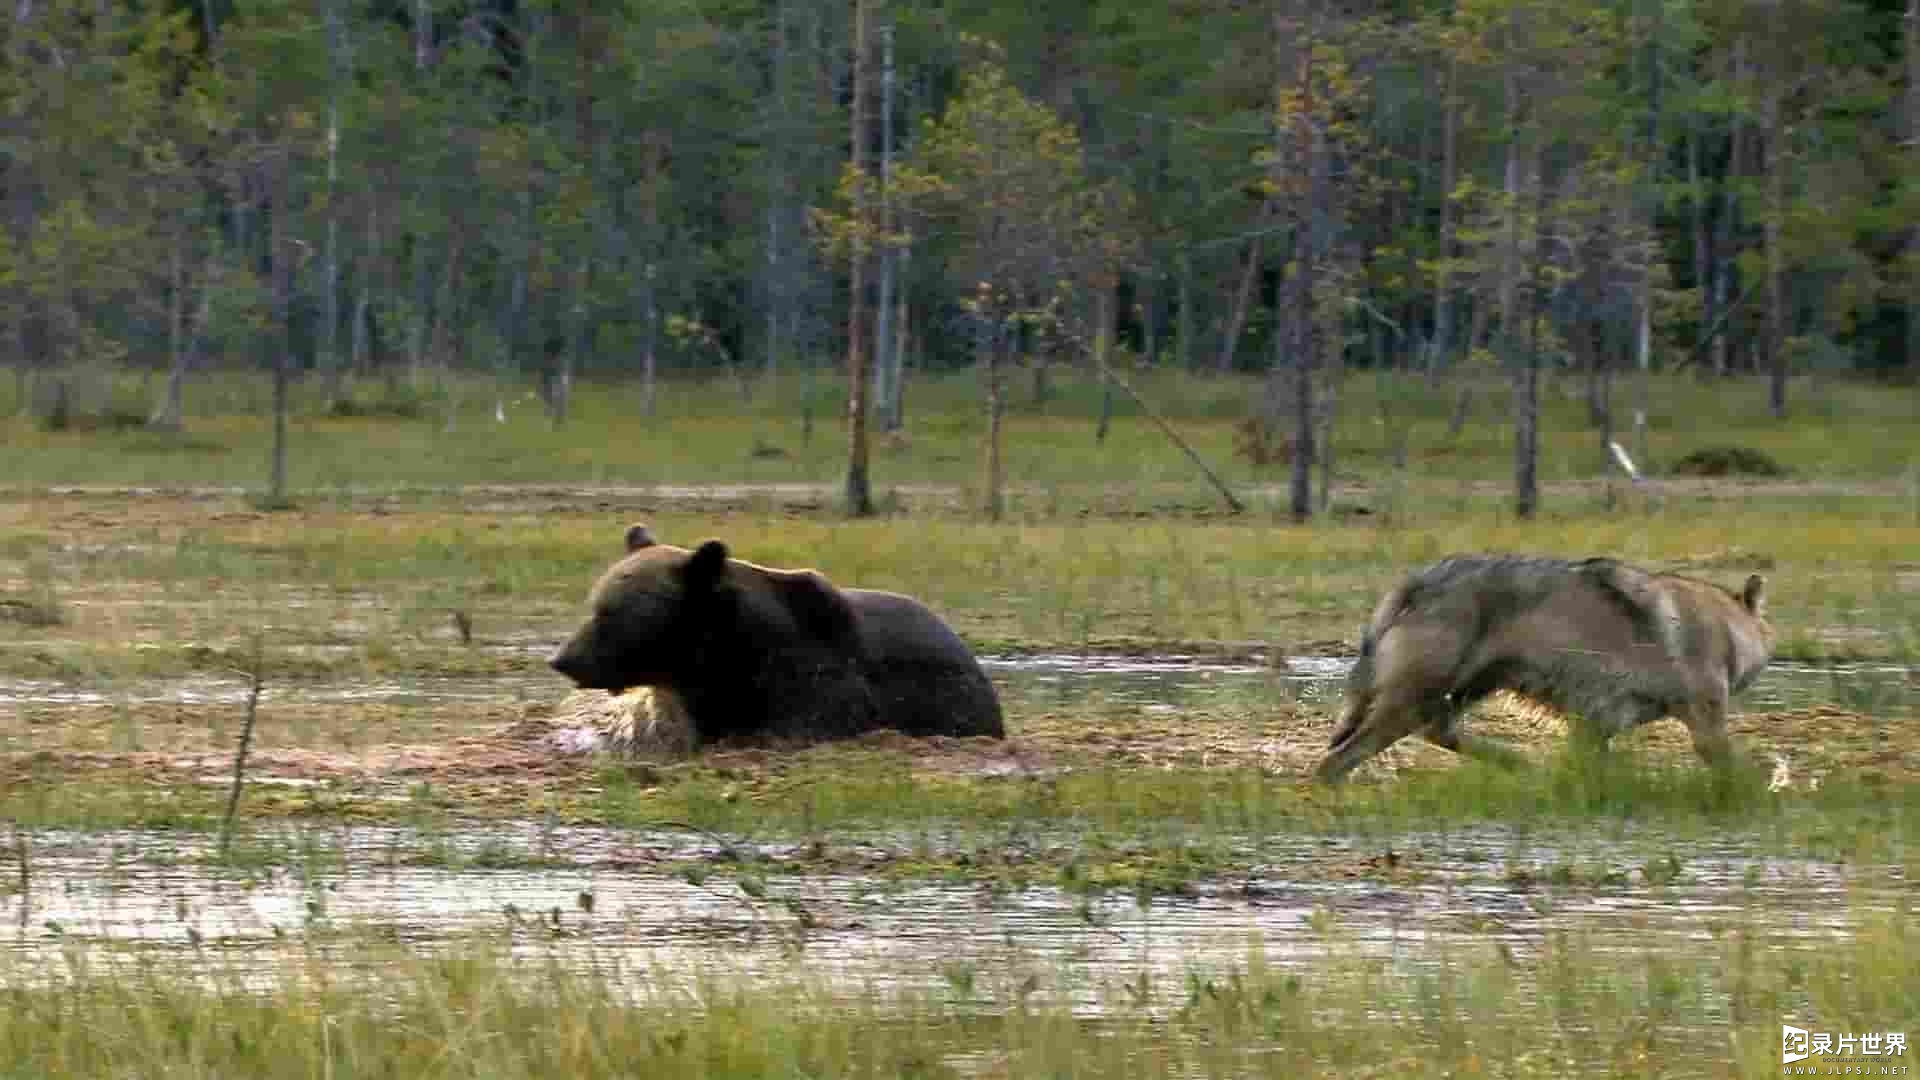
(1609,644)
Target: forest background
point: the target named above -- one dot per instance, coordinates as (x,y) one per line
(405,195)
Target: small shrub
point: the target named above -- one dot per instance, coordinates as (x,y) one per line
(1728,461)
(392,406)
(1257,443)
(153,441)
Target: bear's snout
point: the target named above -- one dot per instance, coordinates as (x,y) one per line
(587,668)
(568,661)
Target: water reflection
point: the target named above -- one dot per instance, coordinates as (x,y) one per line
(607,901)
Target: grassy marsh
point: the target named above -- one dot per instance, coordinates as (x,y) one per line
(127,617)
(157,584)
(704,434)
(1570,1005)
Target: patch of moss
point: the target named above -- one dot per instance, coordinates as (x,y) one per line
(1728,460)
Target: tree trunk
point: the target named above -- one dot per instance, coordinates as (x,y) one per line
(779,279)
(1776,259)
(167,413)
(896,411)
(1604,414)
(1702,246)
(330,286)
(283,322)
(1295,325)
(1587,341)
(993,337)
(651,241)
(1650,204)
(374,280)
(649,337)
(1147,299)
(358,358)
(573,354)
(1911,40)
(422,35)
(516,322)
(859,494)
(1242,296)
(420,325)
(1443,277)
(446,307)
(1183,325)
(1103,304)
(1723,246)
(883,337)
(1525,368)
(1300,479)
(1323,447)
(1526,441)
(1322,321)
(807,364)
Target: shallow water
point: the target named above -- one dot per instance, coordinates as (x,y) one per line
(1044,680)
(129,896)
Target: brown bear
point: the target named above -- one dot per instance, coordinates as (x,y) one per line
(743,649)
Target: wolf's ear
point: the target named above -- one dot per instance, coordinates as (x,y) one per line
(707,566)
(638,536)
(1754,596)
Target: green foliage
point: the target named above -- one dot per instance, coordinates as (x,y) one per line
(1008,177)
(501,187)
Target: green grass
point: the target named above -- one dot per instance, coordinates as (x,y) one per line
(1566,1005)
(171,585)
(1113,545)
(1157,830)
(703,434)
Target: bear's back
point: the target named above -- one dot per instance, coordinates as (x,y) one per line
(925,679)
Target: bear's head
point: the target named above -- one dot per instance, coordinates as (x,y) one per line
(666,616)
(651,612)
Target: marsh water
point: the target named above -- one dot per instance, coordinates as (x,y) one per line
(620,902)
(615,909)
(1153,683)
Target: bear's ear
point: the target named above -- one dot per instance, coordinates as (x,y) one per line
(638,536)
(707,566)
(1754,596)
(820,609)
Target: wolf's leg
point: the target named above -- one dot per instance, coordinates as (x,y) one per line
(1444,731)
(1477,747)
(1590,736)
(1389,718)
(1706,720)
(1351,715)
(1404,688)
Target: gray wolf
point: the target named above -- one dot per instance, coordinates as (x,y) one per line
(1610,645)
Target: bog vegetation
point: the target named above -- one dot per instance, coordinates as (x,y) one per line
(348,340)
